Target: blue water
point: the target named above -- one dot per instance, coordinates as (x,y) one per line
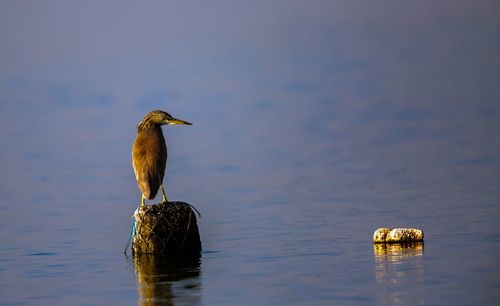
(314,124)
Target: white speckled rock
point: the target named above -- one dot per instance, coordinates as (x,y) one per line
(380,234)
(398,235)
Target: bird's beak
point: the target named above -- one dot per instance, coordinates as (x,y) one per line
(178,121)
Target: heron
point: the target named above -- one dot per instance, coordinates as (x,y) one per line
(149,153)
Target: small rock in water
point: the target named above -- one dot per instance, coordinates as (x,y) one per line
(398,235)
(380,234)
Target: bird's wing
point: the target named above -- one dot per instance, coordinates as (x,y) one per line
(141,173)
(149,161)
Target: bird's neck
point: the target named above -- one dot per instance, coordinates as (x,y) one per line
(146,124)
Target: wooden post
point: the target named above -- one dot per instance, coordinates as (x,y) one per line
(167,229)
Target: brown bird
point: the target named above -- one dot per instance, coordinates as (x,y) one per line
(149,153)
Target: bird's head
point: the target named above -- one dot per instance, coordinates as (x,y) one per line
(159,118)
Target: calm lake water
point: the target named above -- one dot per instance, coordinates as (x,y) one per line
(314,124)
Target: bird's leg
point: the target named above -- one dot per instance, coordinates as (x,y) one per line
(163,195)
(142,200)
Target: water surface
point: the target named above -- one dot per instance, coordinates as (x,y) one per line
(314,124)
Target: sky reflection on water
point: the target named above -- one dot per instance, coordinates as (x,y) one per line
(314,124)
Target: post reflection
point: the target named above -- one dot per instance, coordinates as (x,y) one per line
(399,272)
(167,280)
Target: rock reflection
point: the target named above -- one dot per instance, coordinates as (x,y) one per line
(167,280)
(399,271)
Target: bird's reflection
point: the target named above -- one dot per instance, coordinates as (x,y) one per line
(167,280)
(399,271)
